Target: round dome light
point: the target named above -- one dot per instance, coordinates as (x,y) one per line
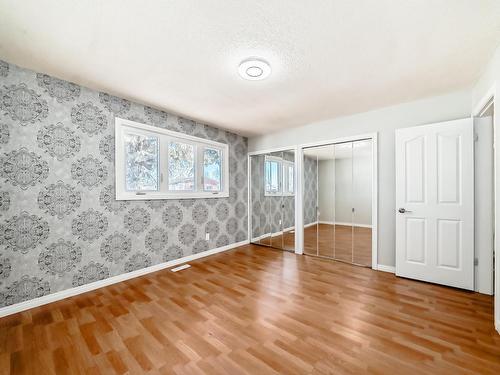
(254,69)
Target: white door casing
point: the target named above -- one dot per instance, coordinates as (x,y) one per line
(435,203)
(483,205)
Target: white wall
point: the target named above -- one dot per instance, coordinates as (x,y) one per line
(384,121)
(343,190)
(343,186)
(326,190)
(362,189)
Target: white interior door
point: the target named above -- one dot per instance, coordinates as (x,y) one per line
(435,203)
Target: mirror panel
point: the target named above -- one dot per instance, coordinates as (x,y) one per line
(326,203)
(362,198)
(310,201)
(273,199)
(288,201)
(343,201)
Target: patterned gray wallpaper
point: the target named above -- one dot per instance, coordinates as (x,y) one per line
(310,201)
(60,226)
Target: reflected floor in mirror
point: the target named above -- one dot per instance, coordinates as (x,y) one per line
(336,241)
(285,241)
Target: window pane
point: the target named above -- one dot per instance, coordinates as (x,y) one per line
(180,166)
(212,170)
(267,174)
(272,176)
(141,162)
(290,179)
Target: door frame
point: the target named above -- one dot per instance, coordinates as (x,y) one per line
(249,182)
(491,95)
(299,217)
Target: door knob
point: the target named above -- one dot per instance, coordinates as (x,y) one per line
(403,210)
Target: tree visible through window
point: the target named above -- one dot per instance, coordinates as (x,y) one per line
(212,170)
(141,159)
(157,163)
(180,166)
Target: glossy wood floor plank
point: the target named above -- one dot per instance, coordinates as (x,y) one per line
(256,310)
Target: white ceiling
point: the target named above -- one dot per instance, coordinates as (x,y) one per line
(329,58)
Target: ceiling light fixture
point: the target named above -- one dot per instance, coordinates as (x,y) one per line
(254,69)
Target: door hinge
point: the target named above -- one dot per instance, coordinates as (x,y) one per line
(476,137)
(476,261)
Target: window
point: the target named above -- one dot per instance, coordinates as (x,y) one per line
(278,176)
(272,180)
(155,163)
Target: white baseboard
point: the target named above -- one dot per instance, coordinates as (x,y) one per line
(497,326)
(274,234)
(57,296)
(310,224)
(384,268)
(346,224)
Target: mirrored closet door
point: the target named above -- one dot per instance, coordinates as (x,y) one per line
(272,199)
(337,201)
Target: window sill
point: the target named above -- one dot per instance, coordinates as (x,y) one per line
(278,195)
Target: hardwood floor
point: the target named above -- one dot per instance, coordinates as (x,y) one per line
(342,242)
(254,310)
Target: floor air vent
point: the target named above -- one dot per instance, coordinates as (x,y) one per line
(180,268)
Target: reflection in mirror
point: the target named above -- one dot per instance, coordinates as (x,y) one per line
(337,201)
(288,201)
(310,201)
(326,206)
(272,187)
(362,198)
(343,202)
(259,213)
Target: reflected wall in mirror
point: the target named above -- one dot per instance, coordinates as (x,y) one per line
(272,195)
(362,165)
(310,201)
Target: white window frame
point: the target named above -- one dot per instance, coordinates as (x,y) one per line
(165,136)
(282,177)
(278,160)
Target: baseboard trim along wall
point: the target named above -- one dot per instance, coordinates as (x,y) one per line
(346,224)
(274,234)
(57,296)
(384,268)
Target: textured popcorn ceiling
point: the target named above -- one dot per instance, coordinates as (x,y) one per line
(329,58)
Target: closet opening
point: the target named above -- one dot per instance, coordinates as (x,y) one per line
(338,200)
